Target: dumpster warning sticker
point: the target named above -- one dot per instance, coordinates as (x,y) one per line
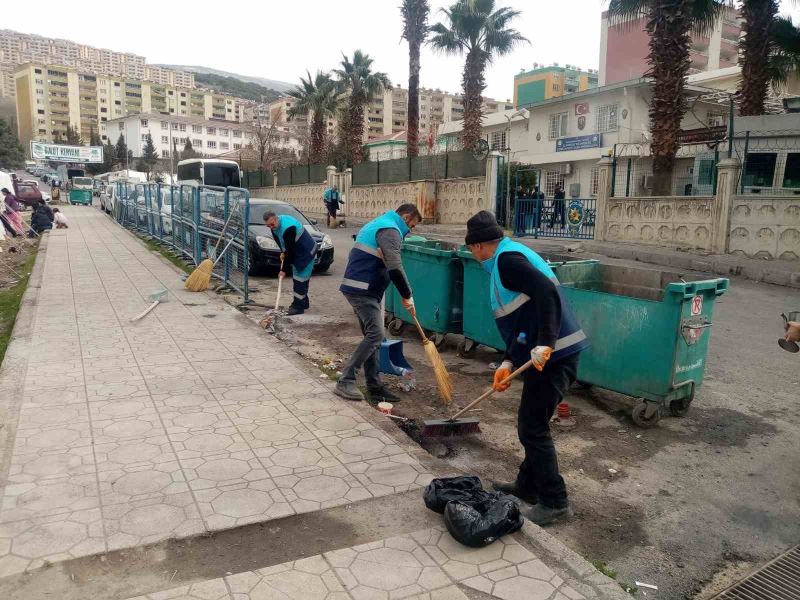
(697,305)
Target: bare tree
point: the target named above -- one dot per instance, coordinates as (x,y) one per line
(266,138)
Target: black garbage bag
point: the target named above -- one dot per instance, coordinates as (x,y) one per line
(447,489)
(481,521)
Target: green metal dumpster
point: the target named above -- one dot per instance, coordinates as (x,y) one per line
(649,331)
(391,297)
(479,326)
(435,275)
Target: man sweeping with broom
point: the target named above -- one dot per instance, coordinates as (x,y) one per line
(297,256)
(537,325)
(374,261)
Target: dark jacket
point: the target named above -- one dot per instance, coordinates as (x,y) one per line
(42,219)
(13,202)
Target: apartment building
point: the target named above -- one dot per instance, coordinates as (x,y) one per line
(545,82)
(52,98)
(624,47)
(19,48)
(208,136)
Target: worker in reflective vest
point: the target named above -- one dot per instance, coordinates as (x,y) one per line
(537,325)
(374,261)
(297,256)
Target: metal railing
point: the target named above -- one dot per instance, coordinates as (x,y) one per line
(190,220)
(770,162)
(555,218)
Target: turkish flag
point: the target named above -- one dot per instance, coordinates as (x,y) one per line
(582,108)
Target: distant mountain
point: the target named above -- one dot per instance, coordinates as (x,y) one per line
(279,86)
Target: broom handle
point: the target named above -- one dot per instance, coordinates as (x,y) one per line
(224,227)
(419,327)
(484,396)
(280,285)
(224,250)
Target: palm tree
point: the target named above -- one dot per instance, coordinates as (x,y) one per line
(415,30)
(318,98)
(475,28)
(362,85)
(754,52)
(669,25)
(784,59)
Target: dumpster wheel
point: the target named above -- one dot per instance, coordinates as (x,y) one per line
(396,327)
(640,416)
(680,408)
(467,348)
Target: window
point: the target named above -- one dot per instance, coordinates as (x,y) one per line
(197,129)
(237,133)
(144,122)
(717,118)
(164,139)
(224,145)
(606,118)
(116,84)
(237,146)
(759,169)
(117,102)
(144,137)
(37,71)
(791,175)
(197,143)
(182,127)
(165,154)
(558,126)
(705,171)
(183,102)
(211,130)
(164,125)
(40,92)
(497,140)
(223,132)
(40,111)
(594,181)
(551,180)
(121,126)
(211,144)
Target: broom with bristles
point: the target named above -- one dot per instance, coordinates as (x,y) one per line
(199,279)
(443,383)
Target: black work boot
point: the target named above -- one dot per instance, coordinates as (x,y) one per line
(295,309)
(510,487)
(306,303)
(382,394)
(545,515)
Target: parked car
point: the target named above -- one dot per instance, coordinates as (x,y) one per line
(264,252)
(27,193)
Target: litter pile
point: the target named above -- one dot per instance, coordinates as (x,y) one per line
(473,516)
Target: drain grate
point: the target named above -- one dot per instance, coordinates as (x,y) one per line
(777,580)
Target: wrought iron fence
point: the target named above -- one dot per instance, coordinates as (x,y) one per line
(447,165)
(197,222)
(770,162)
(555,218)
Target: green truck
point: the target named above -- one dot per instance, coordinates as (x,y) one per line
(80,191)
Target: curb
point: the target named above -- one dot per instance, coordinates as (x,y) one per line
(15,364)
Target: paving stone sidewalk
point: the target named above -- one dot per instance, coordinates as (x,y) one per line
(186,422)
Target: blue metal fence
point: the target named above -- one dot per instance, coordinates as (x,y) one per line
(554,218)
(197,222)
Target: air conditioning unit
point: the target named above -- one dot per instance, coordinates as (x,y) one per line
(646,182)
(566,169)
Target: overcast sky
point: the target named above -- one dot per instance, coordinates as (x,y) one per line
(280,40)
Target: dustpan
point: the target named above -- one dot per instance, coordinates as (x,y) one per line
(392,358)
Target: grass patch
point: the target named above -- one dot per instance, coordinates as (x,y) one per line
(175,260)
(612,574)
(10,299)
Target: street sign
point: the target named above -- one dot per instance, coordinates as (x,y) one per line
(580,142)
(72,154)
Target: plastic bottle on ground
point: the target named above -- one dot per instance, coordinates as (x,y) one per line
(408,381)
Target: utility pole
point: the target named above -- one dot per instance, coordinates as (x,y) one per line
(171,156)
(520,113)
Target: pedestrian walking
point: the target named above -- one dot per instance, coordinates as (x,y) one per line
(374,261)
(558,206)
(297,256)
(332,199)
(538,325)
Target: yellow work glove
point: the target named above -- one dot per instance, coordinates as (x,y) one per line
(500,374)
(540,355)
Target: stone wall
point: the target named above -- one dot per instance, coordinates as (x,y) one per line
(369,201)
(765,227)
(458,199)
(306,197)
(672,222)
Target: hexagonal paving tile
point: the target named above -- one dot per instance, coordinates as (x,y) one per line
(215,589)
(307,579)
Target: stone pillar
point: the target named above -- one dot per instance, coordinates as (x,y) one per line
(331,171)
(492,175)
(727,179)
(604,184)
(274,185)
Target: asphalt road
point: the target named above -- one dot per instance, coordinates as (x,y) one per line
(697,500)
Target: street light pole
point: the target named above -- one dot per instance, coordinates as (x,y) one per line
(522,112)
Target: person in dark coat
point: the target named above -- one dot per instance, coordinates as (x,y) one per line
(42,218)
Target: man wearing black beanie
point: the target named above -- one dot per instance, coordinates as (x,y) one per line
(537,325)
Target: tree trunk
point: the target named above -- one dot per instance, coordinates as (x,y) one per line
(473,84)
(758,16)
(412,135)
(669,26)
(355,133)
(317,138)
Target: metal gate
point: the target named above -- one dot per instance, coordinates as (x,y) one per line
(555,218)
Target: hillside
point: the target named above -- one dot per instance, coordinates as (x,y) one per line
(272,84)
(236,87)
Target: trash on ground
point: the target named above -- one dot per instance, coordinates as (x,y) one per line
(472,515)
(323,376)
(613,471)
(649,586)
(385,407)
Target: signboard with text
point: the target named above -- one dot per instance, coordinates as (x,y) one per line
(73,154)
(580,142)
